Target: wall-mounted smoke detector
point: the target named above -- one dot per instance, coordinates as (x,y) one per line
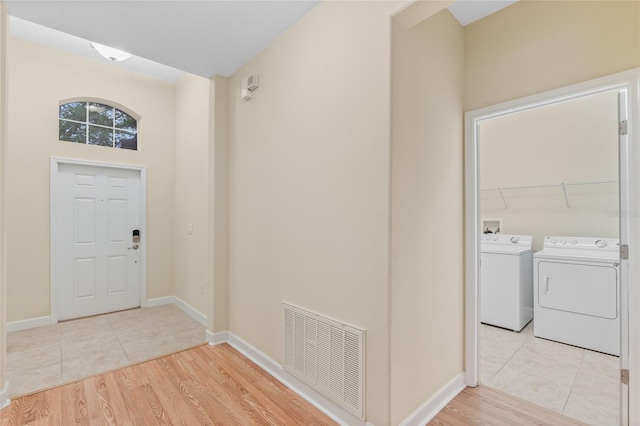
(249,85)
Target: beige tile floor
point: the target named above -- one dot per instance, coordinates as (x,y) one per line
(576,382)
(48,356)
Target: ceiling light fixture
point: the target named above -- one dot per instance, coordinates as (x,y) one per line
(110,53)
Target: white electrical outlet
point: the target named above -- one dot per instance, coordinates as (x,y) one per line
(190,229)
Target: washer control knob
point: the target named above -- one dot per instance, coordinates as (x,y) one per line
(563,242)
(601,243)
(573,242)
(553,241)
(495,238)
(514,240)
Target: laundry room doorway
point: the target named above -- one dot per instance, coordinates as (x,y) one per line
(550,196)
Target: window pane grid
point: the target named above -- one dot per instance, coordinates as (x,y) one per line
(73,121)
(103,125)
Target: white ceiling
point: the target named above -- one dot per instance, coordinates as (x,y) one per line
(68,43)
(469,11)
(203,37)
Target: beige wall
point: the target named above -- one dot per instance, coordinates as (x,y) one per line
(3,168)
(219,181)
(192,192)
(312,171)
(40,77)
(573,141)
(310,184)
(427,240)
(534,46)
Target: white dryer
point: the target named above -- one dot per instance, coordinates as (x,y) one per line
(506,280)
(577,292)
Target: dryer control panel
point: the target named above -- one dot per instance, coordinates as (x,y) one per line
(582,246)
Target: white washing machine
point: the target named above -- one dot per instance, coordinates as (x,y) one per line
(506,280)
(577,292)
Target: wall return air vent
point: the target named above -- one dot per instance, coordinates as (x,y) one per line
(327,355)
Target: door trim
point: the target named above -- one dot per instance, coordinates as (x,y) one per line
(55,163)
(628,83)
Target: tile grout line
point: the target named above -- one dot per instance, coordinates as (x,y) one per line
(119,341)
(67,334)
(578,398)
(512,356)
(573,383)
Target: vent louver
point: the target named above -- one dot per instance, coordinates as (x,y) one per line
(326,354)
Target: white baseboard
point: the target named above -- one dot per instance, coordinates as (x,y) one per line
(428,410)
(41,321)
(217,338)
(28,323)
(315,398)
(159,301)
(4,400)
(193,312)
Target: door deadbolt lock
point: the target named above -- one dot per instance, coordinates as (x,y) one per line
(136,236)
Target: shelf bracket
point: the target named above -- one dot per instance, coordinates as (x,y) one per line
(564,190)
(503,200)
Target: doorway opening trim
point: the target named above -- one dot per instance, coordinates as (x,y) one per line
(53,273)
(627,84)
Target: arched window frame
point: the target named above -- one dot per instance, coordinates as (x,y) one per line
(93,129)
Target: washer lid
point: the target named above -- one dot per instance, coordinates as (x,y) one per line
(505,243)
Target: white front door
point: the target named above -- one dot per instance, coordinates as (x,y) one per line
(98,262)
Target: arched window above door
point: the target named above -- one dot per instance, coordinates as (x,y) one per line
(97,123)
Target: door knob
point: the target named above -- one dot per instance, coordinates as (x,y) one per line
(134,247)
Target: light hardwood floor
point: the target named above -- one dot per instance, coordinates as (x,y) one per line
(205,385)
(485,406)
(210,385)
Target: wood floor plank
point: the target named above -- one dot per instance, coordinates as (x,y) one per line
(179,414)
(94,407)
(485,406)
(209,383)
(77,404)
(104,400)
(123,416)
(260,401)
(274,389)
(135,402)
(508,407)
(174,374)
(265,385)
(239,388)
(55,416)
(11,415)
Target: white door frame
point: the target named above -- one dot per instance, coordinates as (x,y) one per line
(53,272)
(627,84)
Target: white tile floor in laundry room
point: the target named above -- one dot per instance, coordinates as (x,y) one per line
(578,383)
(43,357)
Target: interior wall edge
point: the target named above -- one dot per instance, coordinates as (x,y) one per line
(4,122)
